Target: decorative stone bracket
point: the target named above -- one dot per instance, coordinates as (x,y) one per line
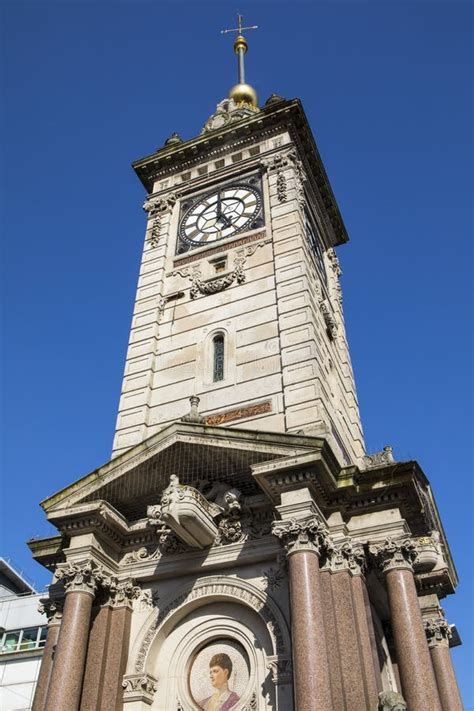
(157,208)
(379,459)
(281,669)
(278,163)
(139,687)
(52,608)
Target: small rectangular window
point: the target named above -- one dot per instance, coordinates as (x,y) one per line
(185,176)
(254,151)
(236,157)
(219,164)
(219,265)
(203,170)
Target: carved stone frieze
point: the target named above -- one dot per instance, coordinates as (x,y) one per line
(394,554)
(139,687)
(220,418)
(345,556)
(52,608)
(391,701)
(379,459)
(301,535)
(438,632)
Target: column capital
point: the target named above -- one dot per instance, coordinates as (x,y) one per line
(301,535)
(139,687)
(122,593)
(394,554)
(53,609)
(438,632)
(85,576)
(346,555)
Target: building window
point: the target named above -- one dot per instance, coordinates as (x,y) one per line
(23,640)
(219,265)
(218,358)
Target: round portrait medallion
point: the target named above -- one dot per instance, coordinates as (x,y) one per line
(219,676)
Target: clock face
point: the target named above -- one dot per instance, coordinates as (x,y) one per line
(220,214)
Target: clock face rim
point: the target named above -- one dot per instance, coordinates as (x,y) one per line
(230,186)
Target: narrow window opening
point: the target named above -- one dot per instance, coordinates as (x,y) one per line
(219,265)
(218,357)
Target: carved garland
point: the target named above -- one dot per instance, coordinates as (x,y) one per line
(278,163)
(237,590)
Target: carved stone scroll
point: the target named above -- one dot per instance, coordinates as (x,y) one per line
(139,687)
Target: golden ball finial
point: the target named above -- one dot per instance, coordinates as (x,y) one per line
(243,94)
(240,43)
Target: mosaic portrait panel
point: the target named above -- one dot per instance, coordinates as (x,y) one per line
(219,676)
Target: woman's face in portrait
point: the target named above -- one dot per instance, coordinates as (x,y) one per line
(218,676)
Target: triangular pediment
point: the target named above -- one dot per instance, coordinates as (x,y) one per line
(195,453)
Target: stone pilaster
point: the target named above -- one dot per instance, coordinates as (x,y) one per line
(80,581)
(354,676)
(395,558)
(54,612)
(438,634)
(304,538)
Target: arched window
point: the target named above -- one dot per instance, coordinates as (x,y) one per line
(218,357)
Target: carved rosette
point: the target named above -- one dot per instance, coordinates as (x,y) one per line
(438,632)
(82,577)
(301,535)
(399,554)
(53,609)
(345,556)
(157,208)
(139,687)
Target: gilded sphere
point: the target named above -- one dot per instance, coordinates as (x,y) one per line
(243,93)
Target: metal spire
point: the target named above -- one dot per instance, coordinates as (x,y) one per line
(240,45)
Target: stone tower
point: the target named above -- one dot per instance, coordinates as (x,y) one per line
(241,550)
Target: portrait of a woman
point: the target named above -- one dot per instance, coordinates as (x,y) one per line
(223,698)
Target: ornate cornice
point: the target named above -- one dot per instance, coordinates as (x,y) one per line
(139,687)
(345,556)
(438,632)
(299,535)
(398,554)
(53,609)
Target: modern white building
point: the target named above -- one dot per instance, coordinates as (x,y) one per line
(22,638)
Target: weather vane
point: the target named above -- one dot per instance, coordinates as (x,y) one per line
(240,45)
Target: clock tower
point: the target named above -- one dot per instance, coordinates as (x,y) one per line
(239,300)
(241,551)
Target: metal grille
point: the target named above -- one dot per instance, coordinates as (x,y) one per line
(218,365)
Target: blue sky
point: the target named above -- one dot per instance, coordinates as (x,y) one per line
(90,86)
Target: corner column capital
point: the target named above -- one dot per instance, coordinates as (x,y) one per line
(345,555)
(301,535)
(438,632)
(52,608)
(394,554)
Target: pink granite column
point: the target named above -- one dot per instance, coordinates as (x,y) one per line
(395,558)
(438,634)
(303,540)
(358,687)
(66,679)
(99,637)
(53,610)
(118,642)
